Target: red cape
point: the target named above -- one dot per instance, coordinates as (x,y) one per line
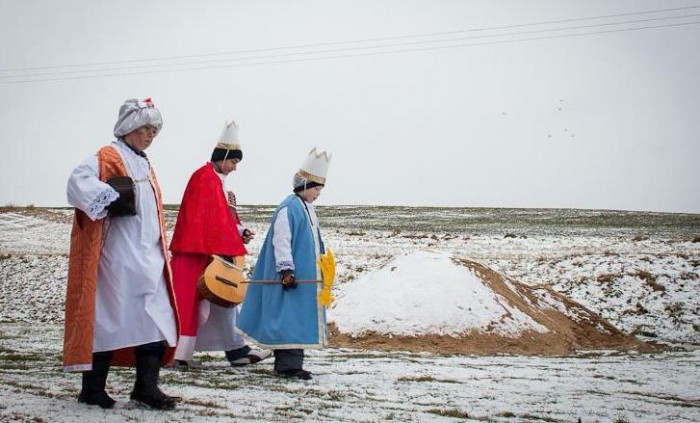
(205,224)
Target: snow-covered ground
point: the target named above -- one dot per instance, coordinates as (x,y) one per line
(362,386)
(644,279)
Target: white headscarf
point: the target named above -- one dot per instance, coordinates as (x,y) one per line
(134,114)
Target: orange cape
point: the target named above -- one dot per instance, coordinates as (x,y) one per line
(85,249)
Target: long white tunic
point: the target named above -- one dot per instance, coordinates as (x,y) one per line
(132,305)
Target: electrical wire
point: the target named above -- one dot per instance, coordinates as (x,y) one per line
(366,40)
(359,48)
(342,52)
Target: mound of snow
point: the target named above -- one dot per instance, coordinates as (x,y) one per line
(427,293)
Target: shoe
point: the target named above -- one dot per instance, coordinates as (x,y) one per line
(146,390)
(155,399)
(294,374)
(97,398)
(94,382)
(246,355)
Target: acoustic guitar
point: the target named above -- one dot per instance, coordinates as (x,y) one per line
(222,282)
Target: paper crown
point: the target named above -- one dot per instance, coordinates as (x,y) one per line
(315,166)
(229,137)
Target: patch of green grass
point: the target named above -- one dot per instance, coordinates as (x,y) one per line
(18,417)
(16,356)
(206,358)
(425,379)
(293,411)
(360,356)
(335,395)
(538,418)
(631,381)
(206,404)
(679,401)
(13,361)
(207,412)
(452,412)
(261,371)
(38,390)
(417,379)
(497,221)
(196,379)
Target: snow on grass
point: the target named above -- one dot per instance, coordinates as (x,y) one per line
(31,235)
(654,296)
(647,287)
(360,386)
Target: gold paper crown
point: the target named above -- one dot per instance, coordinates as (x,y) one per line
(229,137)
(315,166)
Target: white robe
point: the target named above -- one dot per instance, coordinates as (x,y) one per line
(216,331)
(132,305)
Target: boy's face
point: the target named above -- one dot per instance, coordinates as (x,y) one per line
(228,166)
(311,194)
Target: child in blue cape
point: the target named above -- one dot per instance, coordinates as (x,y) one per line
(286,316)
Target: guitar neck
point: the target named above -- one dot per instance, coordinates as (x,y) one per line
(272,282)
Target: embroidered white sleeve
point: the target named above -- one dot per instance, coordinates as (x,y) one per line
(282,242)
(97,208)
(86,192)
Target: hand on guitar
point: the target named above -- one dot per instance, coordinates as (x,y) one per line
(288,280)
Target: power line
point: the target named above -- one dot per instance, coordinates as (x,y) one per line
(360,48)
(374,53)
(366,40)
(292,60)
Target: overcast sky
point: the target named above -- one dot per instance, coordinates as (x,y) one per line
(574,104)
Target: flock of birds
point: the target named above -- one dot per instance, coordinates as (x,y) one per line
(559,109)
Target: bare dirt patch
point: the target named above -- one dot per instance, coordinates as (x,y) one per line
(531,343)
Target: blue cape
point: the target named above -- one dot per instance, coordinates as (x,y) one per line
(280,319)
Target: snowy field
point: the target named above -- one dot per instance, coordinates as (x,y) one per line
(640,271)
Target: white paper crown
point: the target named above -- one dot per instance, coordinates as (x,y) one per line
(229,137)
(315,167)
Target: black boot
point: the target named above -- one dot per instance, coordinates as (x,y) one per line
(146,391)
(94,382)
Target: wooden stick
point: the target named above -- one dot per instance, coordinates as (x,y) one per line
(279,282)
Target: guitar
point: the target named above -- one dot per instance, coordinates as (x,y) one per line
(222,282)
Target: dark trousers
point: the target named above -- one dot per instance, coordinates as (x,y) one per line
(148,359)
(292,359)
(155,348)
(95,380)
